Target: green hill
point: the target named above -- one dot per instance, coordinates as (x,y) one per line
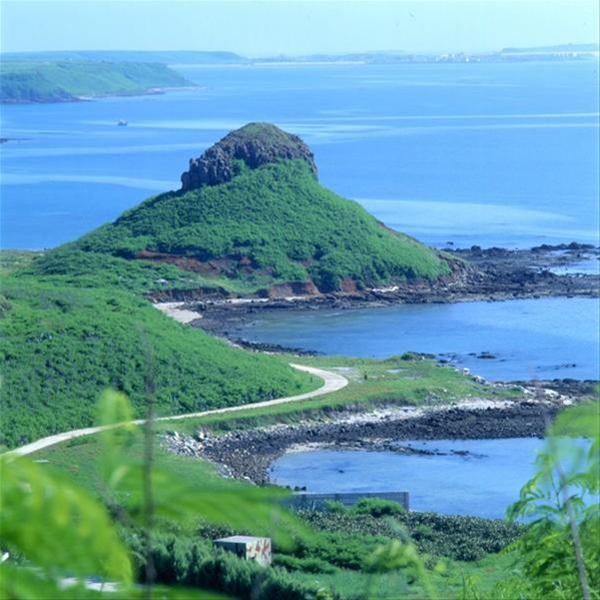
(251,210)
(62,345)
(64,81)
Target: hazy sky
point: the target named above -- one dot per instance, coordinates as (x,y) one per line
(256,27)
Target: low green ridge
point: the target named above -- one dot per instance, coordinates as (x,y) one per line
(272,224)
(405,380)
(62,345)
(64,81)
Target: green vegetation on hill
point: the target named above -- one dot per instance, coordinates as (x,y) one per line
(251,215)
(69,266)
(47,81)
(272,223)
(74,320)
(62,345)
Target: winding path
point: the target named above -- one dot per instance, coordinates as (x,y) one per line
(332,383)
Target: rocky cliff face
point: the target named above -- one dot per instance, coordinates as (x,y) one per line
(256,144)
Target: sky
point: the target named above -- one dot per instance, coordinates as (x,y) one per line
(272,27)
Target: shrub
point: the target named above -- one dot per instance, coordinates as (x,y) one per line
(335,506)
(307,565)
(187,561)
(339,549)
(422,532)
(455,537)
(378,507)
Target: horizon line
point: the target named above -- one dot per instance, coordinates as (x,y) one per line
(312,53)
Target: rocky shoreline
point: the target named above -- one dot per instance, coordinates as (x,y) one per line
(544,257)
(248,454)
(494,274)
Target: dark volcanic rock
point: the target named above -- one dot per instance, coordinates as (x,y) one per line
(256,144)
(249,454)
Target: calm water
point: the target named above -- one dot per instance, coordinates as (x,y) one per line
(483,483)
(531,339)
(503,154)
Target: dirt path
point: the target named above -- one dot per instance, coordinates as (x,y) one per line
(332,382)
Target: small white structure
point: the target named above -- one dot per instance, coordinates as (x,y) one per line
(247,547)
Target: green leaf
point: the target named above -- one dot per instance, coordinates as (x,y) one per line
(55,525)
(582,420)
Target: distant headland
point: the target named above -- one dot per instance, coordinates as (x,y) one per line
(31,81)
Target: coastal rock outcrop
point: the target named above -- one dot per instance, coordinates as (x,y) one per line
(251,209)
(256,144)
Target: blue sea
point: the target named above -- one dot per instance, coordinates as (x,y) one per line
(464,477)
(488,154)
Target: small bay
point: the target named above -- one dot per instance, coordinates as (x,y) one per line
(543,338)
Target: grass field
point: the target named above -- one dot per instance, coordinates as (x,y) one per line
(354,585)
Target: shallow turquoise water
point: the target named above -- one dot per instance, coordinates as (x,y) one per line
(483,483)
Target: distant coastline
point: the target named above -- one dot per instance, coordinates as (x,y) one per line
(26,82)
(186,58)
(80,76)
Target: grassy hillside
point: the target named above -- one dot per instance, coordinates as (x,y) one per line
(61,346)
(31,81)
(70,266)
(274,223)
